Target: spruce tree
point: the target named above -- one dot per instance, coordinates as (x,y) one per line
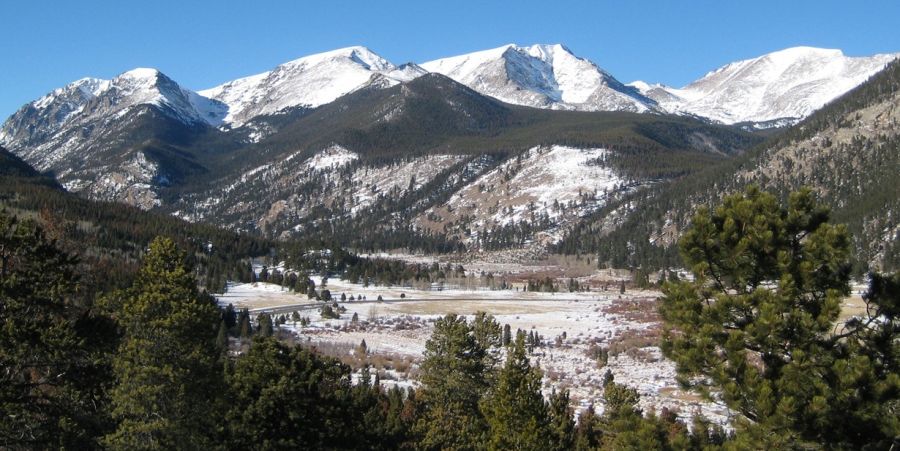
(167,366)
(515,408)
(453,375)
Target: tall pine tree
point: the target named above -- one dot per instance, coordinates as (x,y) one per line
(760,323)
(50,377)
(168,379)
(453,373)
(515,408)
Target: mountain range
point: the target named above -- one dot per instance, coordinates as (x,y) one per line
(511,147)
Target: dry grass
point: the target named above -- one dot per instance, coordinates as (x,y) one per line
(850,307)
(635,339)
(676,393)
(471,307)
(641,310)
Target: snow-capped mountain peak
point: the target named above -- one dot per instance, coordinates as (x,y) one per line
(87,99)
(786,85)
(406,72)
(141,73)
(541,75)
(309,81)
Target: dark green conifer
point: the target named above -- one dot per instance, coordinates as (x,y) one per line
(167,368)
(514,408)
(760,322)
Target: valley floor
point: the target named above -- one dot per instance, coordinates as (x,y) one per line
(574,327)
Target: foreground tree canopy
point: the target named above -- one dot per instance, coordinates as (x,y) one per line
(760,326)
(50,365)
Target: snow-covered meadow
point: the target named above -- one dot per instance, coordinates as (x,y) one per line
(574,327)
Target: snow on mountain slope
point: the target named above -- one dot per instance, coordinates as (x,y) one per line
(785,85)
(547,185)
(309,81)
(349,190)
(333,157)
(87,132)
(90,99)
(544,76)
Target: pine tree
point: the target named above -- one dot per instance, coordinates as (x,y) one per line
(264,274)
(363,348)
(489,336)
(587,432)
(167,367)
(222,337)
(246,327)
(760,323)
(453,375)
(641,278)
(264,325)
(290,398)
(562,423)
(515,408)
(230,317)
(49,378)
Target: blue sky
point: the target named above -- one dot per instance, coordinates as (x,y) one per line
(47,44)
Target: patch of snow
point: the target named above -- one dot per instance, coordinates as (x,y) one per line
(552,182)
(332,157)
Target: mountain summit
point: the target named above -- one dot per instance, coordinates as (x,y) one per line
(777,88)
(310,81)
(68,119)
(542,76)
